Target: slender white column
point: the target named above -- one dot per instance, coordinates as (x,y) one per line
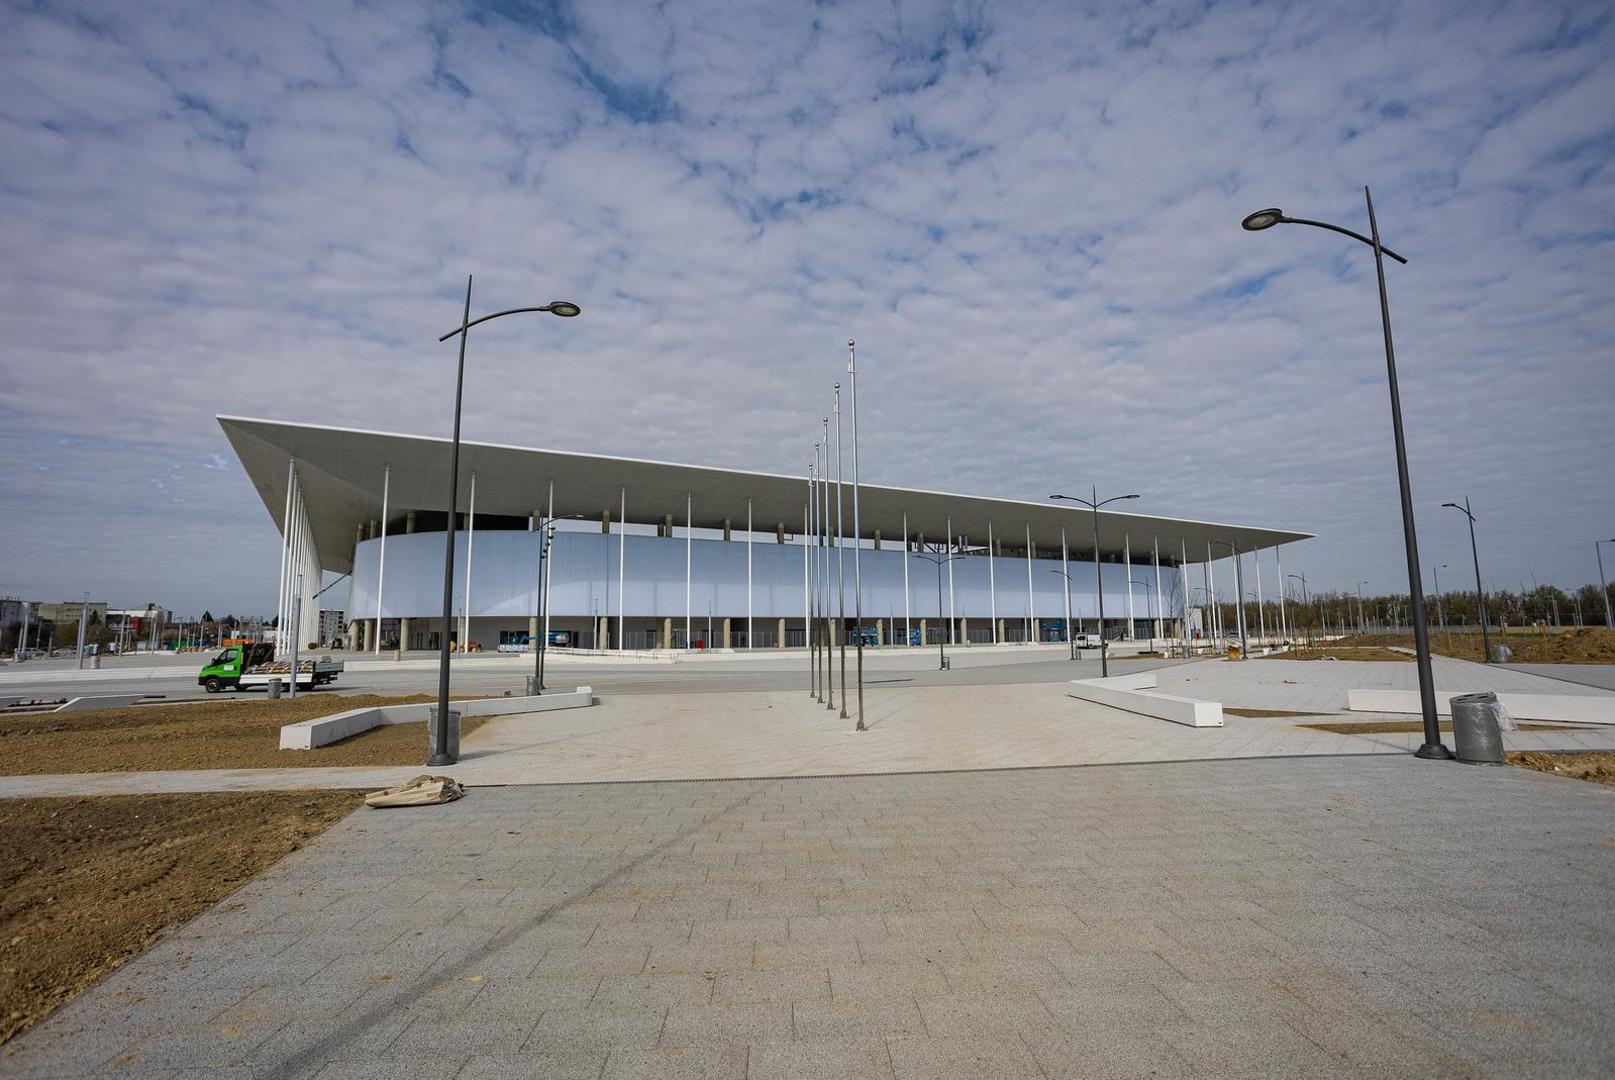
(622,565)
(1211,597)
(992,581)
(1284,623)
(1183,575)
(952,625)
(1127,563)
(1031,603)
(751,642)
(908,609)
(1261,616)
(689,534)
(470,546)
(1065,568)
(549,567)
(1160,597)
(285,557)
(807,590)
(381,568)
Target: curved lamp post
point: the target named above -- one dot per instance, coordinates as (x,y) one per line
(1094,504)
(1480,593)
(1266,219)
(1151,595)
(1070,635)
(1306,601)
(440,723)
(941,558)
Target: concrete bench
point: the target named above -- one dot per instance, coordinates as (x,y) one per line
(1552,708)
(311,734)
(1136,693)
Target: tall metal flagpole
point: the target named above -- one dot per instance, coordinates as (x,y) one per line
(381,569)
(807,582)
(857,572)
(816,629)
(841,576)
(829,631)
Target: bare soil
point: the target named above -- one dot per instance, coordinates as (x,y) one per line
(1332,651)
(210,734)
(1403,727)
(91,882)
(1595,765)
(1230,711)
(1584,645)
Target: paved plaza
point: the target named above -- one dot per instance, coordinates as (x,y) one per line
(1362,916)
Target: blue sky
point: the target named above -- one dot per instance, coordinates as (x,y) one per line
(1027,215)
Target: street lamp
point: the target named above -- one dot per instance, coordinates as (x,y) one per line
(1361,625)
(1306,601)
(939,557)
(1151,589)
(1441,611)
(1266,219)
(1598,550)
(1094,504)
(1070,637)
(440,724)
(1239,596)
(1480,593)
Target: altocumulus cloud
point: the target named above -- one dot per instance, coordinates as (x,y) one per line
(1027,215)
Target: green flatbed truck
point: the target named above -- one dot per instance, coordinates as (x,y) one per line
(243,667)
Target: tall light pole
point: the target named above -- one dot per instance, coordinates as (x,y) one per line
(564,309)
(1306,600)
(1070,637)
(1239,597)
(1441,611)
(1094,504)
(1598,545)
(1432,747)
(857,570)
(1151,589)
(1361,625)
(1480,593)
(940,557)
(841,566)
(545,539)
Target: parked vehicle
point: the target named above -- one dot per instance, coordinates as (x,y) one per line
(1085,641)
(242,667)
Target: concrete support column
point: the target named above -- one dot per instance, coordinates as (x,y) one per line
(880,631)
(924,623)
(667,631)
(726,528)
(403,634)
(877,539)
(605,520)
(779,534)
(532,631)
(409,522)
(964,631)
(601,637)
(353,635)
(780,642)
(375,528)
(667,526)
(727,641)
(1000,635)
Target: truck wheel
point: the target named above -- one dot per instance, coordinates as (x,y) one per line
(213,684)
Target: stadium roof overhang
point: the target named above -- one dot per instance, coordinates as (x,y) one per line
(340,472)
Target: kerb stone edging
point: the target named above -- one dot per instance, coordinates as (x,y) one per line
(310,734)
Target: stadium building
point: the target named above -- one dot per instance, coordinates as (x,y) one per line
(649,554)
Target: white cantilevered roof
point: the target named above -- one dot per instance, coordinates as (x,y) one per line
(340,472)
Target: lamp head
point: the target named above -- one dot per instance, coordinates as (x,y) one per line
(566,309)
(1263,219)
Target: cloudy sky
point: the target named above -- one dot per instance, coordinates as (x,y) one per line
(1028,216)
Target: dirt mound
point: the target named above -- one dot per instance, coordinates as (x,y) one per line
(1582,645)
(211,734)
(1595,765)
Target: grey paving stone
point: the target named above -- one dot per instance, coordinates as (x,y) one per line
(851,1059)
(559,1065)
(952,1058)
(727,1023)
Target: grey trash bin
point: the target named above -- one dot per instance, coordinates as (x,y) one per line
(453,733)
(1476,728)
(274,689)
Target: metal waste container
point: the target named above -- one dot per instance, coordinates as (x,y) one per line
(1502,654)
(453,738)
(1476,728)
(274,689)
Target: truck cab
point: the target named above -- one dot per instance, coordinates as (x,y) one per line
(223,672)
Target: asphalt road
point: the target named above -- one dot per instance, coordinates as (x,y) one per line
(174,678)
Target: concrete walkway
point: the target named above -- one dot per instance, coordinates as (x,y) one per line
(1370,916)
(694,736)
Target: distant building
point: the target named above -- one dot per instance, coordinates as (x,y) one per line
(69,611)
(332,624)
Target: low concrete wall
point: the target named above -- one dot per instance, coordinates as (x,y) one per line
(101,701)
(1136,693)
(329,729)
(1554,708)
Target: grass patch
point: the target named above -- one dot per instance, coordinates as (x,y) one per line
(1342,652)
(209,734)
(1595,765)
(93,881)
